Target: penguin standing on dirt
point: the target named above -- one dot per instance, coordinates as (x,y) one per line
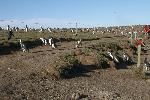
(78,43)
(23,46)
(146,64)
(113,57)
(10,34)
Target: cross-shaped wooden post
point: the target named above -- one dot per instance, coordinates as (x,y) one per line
(139,43)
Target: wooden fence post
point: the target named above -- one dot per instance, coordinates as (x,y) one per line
(139,56)
(139,43)
(76,28)
(135,35)
(131,37)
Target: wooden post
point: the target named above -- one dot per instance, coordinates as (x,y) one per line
(76,28)
(139,43)
(139,56)
(135,35)
(131,38)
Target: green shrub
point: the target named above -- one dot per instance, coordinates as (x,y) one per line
(102,60)
(87,51)
(70,58)
(138,72)
(57,70)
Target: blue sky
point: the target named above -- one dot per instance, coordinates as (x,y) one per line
(65,13)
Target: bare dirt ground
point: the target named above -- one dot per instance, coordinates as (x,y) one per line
(20,78)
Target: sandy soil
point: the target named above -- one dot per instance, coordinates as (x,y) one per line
(20,78)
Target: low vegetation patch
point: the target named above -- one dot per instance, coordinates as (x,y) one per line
(138,72)
(62,68)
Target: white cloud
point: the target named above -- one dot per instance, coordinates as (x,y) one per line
(45,22)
